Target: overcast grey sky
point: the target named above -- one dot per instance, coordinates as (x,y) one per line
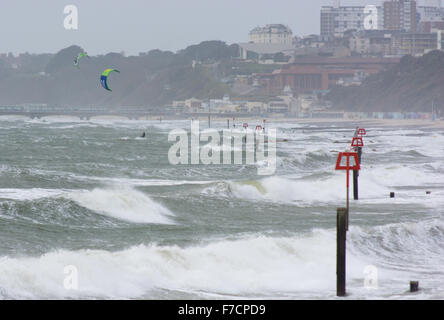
(135,26)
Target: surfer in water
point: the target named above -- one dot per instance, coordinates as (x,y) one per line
(143,135)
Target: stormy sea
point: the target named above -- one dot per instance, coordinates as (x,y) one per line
(93,210)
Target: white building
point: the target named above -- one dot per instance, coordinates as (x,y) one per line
(336,20)
(192,105)
(256,106)
(285,103)
(271,33)
(307,103)
(216,104)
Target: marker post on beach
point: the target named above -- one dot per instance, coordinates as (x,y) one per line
(357,144)
(414,286)
(347,166)
(346,161)
(341,230)
(355,176)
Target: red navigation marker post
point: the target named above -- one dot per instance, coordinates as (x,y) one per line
(347,161)
(357,144)
(362,132)
(348,165)
(245,125)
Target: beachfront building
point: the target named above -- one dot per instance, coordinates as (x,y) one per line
(278,106)
(256,107)
(285,104)
(178,106)
(228,108)
(193,105)
(216,105)
(306,102)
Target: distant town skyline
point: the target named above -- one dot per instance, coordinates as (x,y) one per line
(143,25)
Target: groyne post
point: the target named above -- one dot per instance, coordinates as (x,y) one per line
(341,231)
(414,286)
(345,157)
(356,177)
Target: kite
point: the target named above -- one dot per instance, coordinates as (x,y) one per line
(80,56)
(104,78)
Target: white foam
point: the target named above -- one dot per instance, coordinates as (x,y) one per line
(139,182)
(303,191)
(124,203)
(243,267)
(13,118)
(400,175)
(219,148)
(300,266)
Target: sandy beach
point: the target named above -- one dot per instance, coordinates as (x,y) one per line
(358,122)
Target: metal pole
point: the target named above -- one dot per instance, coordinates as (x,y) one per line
(356,176)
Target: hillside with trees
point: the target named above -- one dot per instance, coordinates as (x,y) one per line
(412,85)
(153,78)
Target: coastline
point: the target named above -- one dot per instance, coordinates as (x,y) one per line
(368,122)
(253,120)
